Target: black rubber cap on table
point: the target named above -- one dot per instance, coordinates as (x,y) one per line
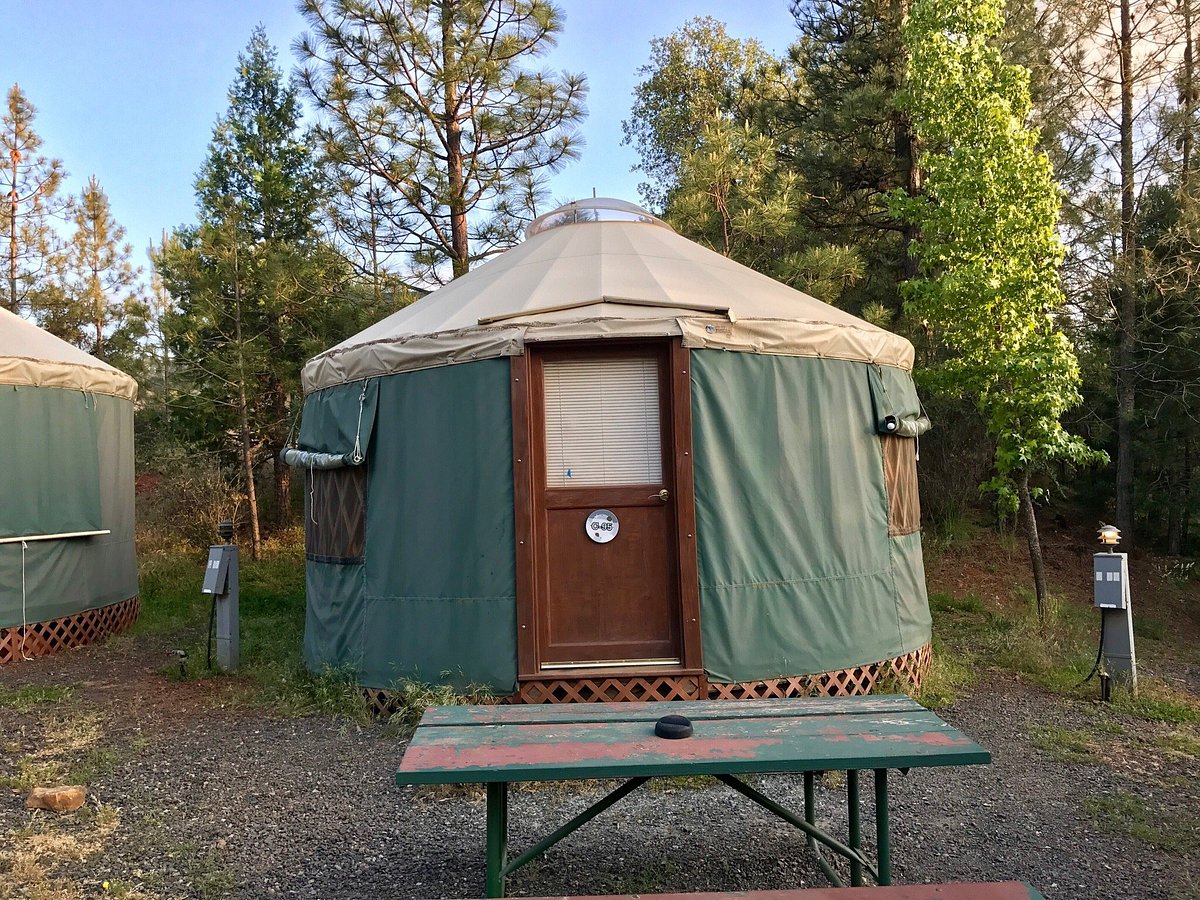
(673,727)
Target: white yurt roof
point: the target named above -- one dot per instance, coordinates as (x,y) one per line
(31,356)
(604,268)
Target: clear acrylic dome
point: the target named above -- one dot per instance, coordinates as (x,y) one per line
(597,209)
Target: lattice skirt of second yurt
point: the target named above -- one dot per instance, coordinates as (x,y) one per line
(76,630)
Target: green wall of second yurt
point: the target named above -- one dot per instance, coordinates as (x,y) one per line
(797,572)
(68,468)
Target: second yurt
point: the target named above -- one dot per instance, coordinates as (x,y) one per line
(68,573)
(612,464)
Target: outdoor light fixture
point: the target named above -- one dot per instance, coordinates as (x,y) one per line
(225,530)
(1109,535)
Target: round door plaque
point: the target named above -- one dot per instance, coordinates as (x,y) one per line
(602,526)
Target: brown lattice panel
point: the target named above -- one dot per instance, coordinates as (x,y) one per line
(76,630)
(909,668)
(608,690)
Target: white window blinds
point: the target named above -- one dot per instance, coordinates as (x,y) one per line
(602,422)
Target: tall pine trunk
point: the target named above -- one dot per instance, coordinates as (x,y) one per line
(457,202)
(905,143)
(1126,303)
(244,415)
(1029,518)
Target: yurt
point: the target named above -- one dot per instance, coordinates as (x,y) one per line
(68,575)
(612,464)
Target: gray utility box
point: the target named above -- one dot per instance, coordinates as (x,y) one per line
(1112,580)
(221,581)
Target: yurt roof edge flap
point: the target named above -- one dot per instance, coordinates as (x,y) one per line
(581,280)
(33,357)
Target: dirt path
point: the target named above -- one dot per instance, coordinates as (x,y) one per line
(194,794)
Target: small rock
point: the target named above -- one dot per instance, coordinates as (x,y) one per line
(65,798)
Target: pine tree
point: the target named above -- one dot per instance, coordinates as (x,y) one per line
(427,104)
(697,78)
(29,183)
(98,295)
(989,252)
(254,282)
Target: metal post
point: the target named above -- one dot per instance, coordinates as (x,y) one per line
(1114,600)
(882,835)
(229,644)
(854,813)
(497,836)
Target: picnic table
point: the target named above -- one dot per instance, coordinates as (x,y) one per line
(498,745)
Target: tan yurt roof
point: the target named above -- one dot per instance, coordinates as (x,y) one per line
(604,268)
(31,356)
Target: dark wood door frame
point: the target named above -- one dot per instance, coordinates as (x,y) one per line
(687,576)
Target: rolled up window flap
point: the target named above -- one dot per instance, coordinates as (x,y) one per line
(310,459)
(897,409)
(339,422)
(908,426)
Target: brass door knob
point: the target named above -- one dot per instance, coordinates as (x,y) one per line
(664,494)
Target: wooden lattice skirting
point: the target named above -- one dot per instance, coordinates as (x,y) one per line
(75,630)
(907,670)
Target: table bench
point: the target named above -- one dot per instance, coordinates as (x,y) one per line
(997,890)
(497,745)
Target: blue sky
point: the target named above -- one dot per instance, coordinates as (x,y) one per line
(129,90)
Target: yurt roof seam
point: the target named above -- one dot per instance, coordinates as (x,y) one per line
(329,370)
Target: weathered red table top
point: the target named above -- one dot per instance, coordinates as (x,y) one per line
(559,742)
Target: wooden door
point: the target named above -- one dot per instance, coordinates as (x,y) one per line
(606,592)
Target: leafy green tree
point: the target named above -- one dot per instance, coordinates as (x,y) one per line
(698,78)
(989,252)
(428,111)
(257,289)
(29,184)
(97,302)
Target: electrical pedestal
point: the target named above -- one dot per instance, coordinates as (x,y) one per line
(221,580)
(1112,598)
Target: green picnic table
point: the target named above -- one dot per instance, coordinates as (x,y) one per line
(496,745)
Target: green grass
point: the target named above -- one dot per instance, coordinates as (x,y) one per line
(1125,813)
(1153,629)
(1067,745)
(25,697)
(271,608)
(972,637)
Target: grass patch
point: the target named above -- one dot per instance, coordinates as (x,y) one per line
(415,697)
(271,618)
(1067,745)
(1125,813)
(1153,629)
(25,697)
(1181,743)
(1158,702)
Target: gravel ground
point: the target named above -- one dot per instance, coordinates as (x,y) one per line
(236,802)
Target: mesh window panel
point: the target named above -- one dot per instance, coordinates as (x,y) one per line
(900,478)
(335,508)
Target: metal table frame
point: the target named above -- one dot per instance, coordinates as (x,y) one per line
(499,866)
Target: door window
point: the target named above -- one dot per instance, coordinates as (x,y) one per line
(602,421)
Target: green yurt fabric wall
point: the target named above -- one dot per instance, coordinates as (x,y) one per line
(434,598)
(68,468)
(797,571)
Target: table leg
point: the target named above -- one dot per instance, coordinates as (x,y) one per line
(497,836)
(882,834)
(856,869)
